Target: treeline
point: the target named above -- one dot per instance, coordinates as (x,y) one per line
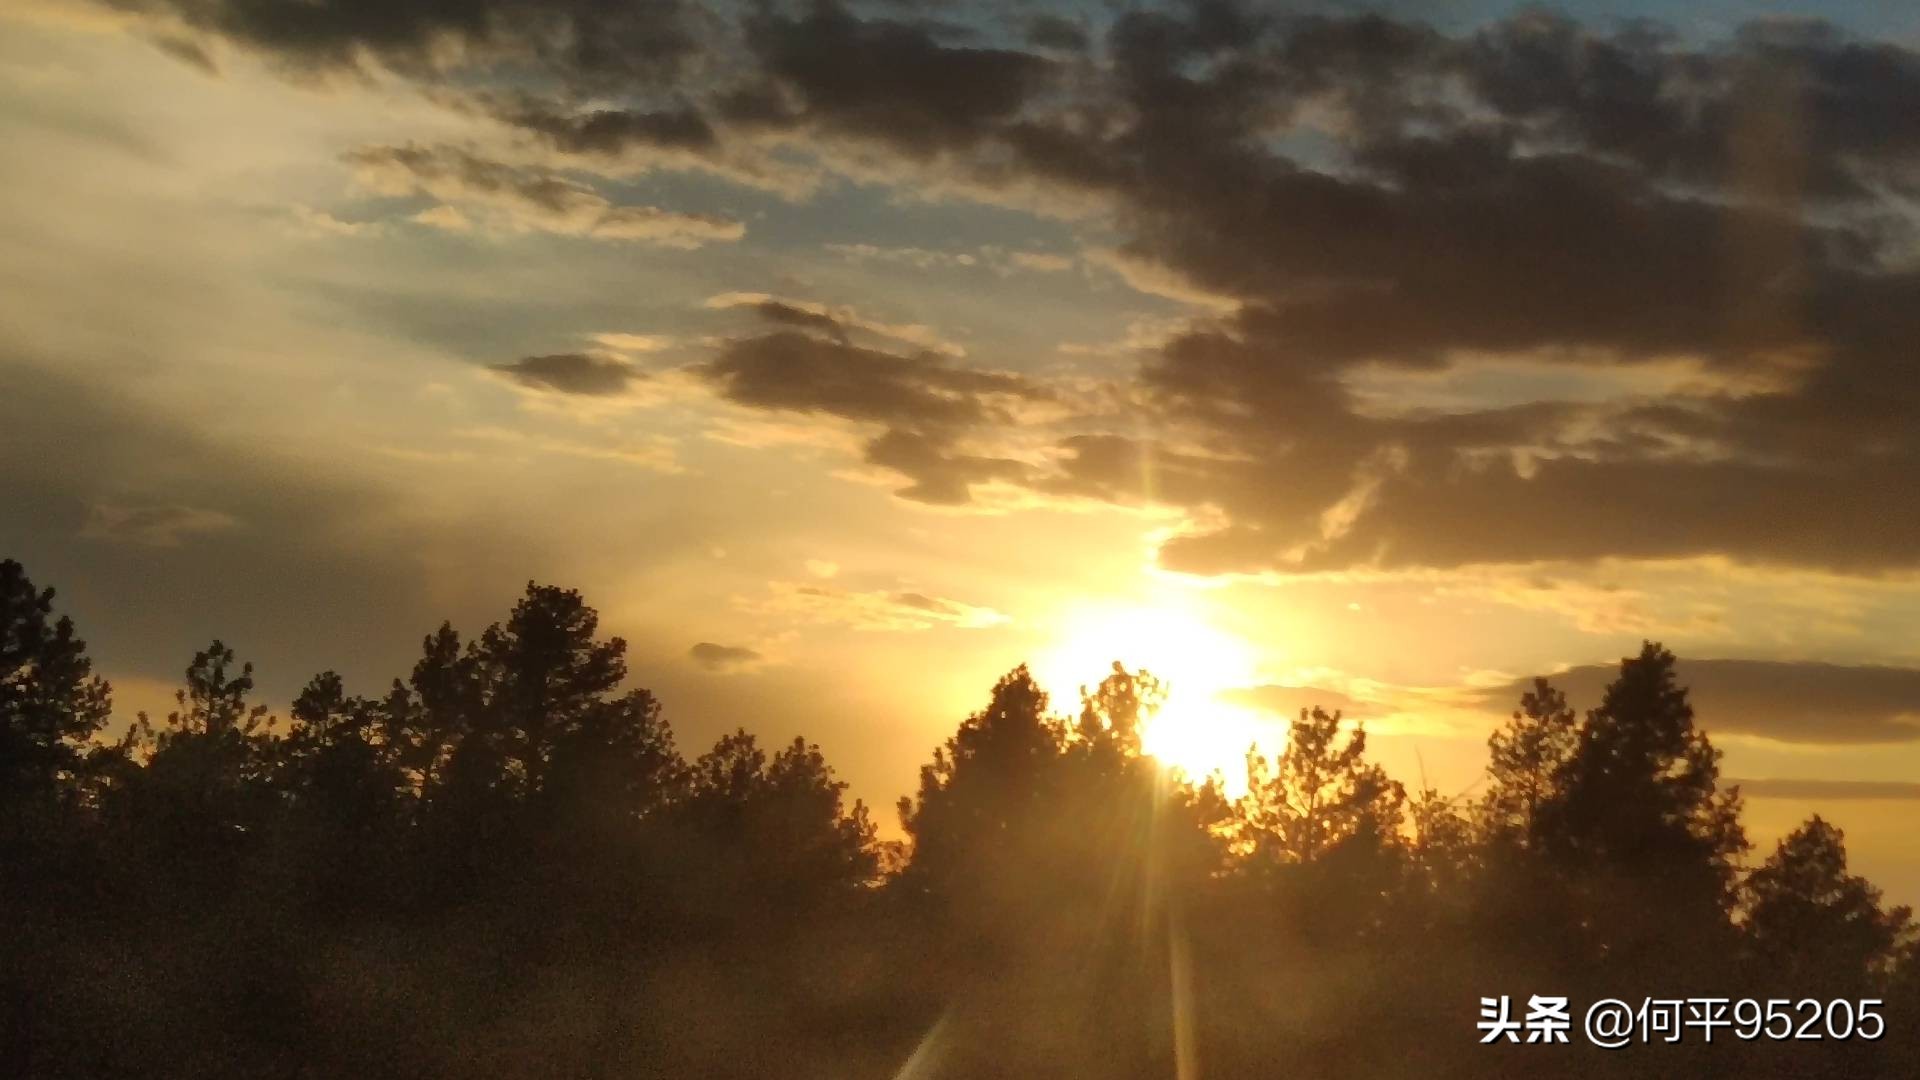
(504,866)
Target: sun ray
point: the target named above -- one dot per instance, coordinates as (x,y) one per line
(1197,730)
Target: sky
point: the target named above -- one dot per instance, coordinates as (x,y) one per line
(845,357)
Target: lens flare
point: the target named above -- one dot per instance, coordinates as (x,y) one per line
(1197,730)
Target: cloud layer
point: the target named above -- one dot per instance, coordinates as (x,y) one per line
(1341,196)
(1785,701)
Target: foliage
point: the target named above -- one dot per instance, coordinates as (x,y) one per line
(503,864)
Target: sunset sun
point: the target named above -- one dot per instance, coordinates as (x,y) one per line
(1197,730)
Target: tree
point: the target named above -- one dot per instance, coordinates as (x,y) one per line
(543,677)
(51,703)
(330,731)
(214,703)
(1638,828)
(1113,713)
(206,790)
(1443,843)
(523,737)
(987,787)
(428,715)
(1316,796)
(782,822)
(1640,791)
(491,720)
(615,765)
(1525,759)
(345,793)
(1814,926)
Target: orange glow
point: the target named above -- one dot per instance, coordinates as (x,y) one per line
(1196,731)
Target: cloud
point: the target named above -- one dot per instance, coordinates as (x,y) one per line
(308,221)
(896,610)
(571,373)
(1055,32)
(644,42)
(1287,701)
(883,79)
(1044,262)
(521,199)
(715,657)
(1823,790)
(1785,701)
(1548,211)
(445,218)
(990,256)
(152,526)
(795,372)
(1337,199)
(917,257)
(940,474)
(924,405)
(633,343)
(1509,227)
(611,131)
(838,323)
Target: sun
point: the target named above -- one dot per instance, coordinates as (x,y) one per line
(1198,730)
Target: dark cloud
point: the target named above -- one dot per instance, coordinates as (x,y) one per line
(883,79)
(646,40)
(715,657)
(1597,199)
(572,373)
(1355,193)
(1548,222)
(610,131)
(783,313)
(1796,702)
(925,405)
(1054,32)
(940,475)
(152,526)
(798,373)
(1792,106)
(1825,790)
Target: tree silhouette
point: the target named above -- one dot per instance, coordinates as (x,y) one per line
(1637,821)
(614,764)
(1526,757)
(987,788)
(205,794)
(51,704)
(346,796)
(503,864)
(1317,795)
(430,714)
(1113,713)
(783,820)
(1810,921)
(542,678)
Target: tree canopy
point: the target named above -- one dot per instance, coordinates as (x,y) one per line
(504,863)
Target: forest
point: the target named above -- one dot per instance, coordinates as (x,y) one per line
(504,865)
